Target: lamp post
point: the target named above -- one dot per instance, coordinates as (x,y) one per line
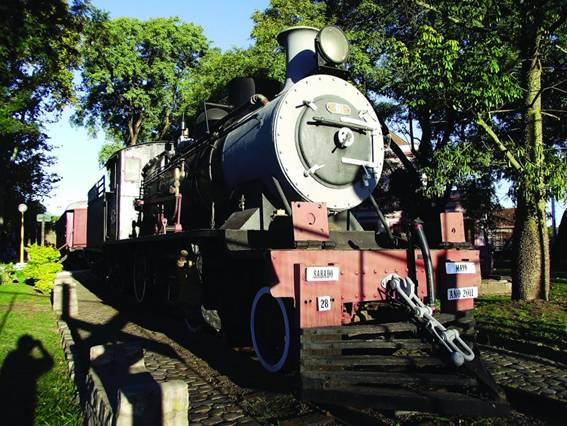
(22,208)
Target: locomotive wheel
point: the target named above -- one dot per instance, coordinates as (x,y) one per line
(270,329)
(115,279)
(112,278)
(172,290)
(141,277)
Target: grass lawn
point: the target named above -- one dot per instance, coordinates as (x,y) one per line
(35,385)
(544,323)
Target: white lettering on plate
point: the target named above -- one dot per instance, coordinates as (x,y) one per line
(453,268)
(462,293)
(324,303)
(322,273)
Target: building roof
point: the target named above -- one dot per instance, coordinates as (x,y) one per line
(77,205)
(505,217)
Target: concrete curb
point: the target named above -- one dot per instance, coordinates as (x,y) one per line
(71,355)
(65,303)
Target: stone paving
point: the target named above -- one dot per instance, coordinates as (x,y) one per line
(208,405)
(98,323)
(529,374)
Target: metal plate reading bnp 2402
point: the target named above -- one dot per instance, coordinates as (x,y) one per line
(462,293)
(322,273)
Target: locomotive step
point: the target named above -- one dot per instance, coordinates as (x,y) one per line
(356,330)
(365,344)
(340,378)
(441,402)
(344,361)
(337,364)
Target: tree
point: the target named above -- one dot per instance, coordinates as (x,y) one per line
(132,72)
(469,72)
(531,240)
(38,51)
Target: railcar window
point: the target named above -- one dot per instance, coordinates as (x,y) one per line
(112,175)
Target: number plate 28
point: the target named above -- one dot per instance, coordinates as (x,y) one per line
(324,303)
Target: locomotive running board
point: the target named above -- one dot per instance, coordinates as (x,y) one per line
(385,366)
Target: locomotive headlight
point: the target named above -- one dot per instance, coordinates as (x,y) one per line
(332,45)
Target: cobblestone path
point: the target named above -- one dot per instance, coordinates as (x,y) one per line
(529,374)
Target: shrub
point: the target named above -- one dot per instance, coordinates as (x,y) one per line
(43,264)
(6,272)
(10,275)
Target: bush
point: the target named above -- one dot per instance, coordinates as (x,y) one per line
(43,264)
(10,275)
(6,272)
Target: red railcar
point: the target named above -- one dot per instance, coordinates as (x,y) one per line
(71,228)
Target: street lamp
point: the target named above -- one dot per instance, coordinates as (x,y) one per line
(22,208)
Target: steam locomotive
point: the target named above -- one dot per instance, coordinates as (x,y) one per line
(250,226)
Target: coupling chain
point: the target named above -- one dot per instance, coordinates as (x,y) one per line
(450,339)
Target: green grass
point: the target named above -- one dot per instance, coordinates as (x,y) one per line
(24,311)
(538,321)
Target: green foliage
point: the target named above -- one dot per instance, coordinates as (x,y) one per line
(10,275)
(442,71)
(37,54)
(132,74)
(6,272)
(42,266)
(211,77)
(458,163)
(107,150)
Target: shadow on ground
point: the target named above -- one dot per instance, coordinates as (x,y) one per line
(207,345)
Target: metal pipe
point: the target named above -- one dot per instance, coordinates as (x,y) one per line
(422,241)
(382,219)
(280,192)
(299,45)
(22,239)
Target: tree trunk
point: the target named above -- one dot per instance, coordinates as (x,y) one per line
(134,129)
(530,271)
(531,259)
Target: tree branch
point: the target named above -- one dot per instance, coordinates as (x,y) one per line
(501,147)
(550,115)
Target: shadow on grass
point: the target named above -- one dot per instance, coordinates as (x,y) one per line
(5,316)
(18,381)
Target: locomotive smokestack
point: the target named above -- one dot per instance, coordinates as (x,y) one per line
(299,44)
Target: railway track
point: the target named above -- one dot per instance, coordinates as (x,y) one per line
(208,363)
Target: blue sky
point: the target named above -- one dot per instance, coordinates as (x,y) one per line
(225,23)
